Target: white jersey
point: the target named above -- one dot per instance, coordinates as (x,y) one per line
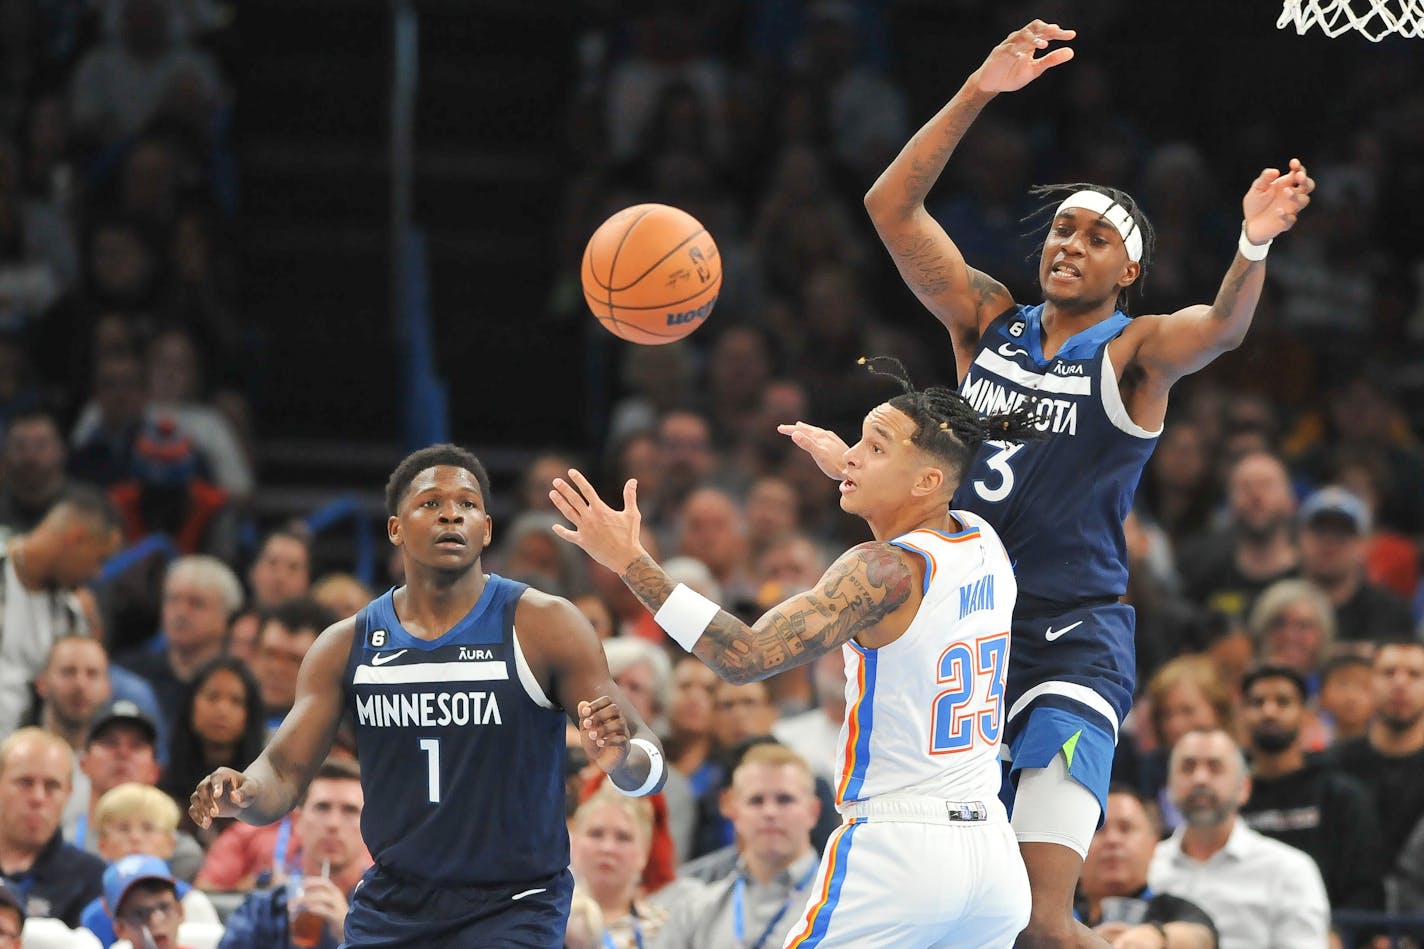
(924,713)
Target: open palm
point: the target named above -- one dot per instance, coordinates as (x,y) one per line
(1012,64)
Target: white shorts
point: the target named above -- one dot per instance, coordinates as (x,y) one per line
(916,885)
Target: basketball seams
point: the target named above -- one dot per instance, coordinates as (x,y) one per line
(657,263)
(642,322)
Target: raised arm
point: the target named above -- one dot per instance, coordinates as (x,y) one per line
(271,785)
(1183,342)
(962,298)
(560,643)
(859,592)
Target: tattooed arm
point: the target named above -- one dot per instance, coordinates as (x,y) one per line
(858,594)
(861,592)
(1189,339)
(962,298)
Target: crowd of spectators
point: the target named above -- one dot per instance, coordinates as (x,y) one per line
(1274,545)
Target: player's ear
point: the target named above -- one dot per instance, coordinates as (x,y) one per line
(489,531)
(393,531)
(931,479)
(1130,273)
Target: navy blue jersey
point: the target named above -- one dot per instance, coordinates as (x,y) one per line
(1057,503)
(462,755)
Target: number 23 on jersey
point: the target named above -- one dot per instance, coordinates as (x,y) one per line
(968,712)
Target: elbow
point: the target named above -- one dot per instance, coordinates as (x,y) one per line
(879,205)
(1229,342)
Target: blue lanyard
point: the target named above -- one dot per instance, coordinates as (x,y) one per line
(608,942)
(81,830)
(279,848)
(739,924)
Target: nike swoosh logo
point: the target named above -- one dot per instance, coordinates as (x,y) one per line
(1053,634)
(520,896)
(379,660)
(1011,351)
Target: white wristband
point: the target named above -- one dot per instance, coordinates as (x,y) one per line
(655,767)
(1249,250)
(685,615)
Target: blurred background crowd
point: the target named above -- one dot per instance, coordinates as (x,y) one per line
(146,358)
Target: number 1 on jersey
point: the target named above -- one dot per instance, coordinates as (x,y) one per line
(431,747)
(955,719)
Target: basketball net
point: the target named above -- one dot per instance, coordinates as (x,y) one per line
(1376,19)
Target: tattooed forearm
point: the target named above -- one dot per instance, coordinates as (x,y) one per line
(855,595)
(648,582)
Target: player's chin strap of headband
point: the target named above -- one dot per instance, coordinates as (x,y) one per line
(1114,213)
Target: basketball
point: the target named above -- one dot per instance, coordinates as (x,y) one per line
(651,274)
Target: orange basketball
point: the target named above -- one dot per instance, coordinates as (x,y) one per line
(651,274)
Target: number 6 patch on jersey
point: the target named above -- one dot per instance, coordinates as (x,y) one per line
(970,708)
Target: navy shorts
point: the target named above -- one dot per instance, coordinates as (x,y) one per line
(390,910)
(1070,685)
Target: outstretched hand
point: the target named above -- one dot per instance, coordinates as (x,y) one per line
(1012,65)
(824,446)
(1271,205)
(604,731)
(608,536)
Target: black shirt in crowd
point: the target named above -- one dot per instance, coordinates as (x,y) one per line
(1331,816)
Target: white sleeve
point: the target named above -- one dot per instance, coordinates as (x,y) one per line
(1302,917)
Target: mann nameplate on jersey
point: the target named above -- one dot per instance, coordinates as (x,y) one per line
(441,666)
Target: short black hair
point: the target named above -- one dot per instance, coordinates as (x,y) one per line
(1255,675)
(297,614)
(1057,192)
(444,454)
(293,531)
(91,505)
(946,424)
(1347,660)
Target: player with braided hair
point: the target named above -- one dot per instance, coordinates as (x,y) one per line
(1100,380)
(921,616)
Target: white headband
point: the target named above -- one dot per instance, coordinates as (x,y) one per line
(1116,215)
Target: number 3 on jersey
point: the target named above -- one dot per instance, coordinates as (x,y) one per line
(957,717)
(999,464)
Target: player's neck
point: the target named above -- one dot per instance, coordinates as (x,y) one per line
(1061,320)
(432,602)
(930,515)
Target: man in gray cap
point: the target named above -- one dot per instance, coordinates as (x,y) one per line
(1335,527)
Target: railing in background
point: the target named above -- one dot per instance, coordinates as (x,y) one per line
(1403,929)
(348,508)
(331,514)
(119,564)
(425,419)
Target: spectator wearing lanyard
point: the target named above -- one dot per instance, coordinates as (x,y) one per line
(773,806)
(609,844)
